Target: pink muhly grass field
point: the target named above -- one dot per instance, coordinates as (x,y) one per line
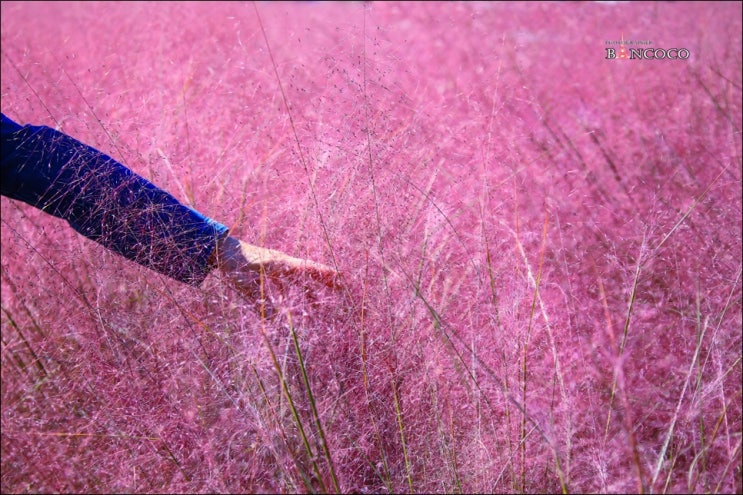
(540,250)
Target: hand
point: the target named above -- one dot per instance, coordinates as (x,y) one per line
(248,268)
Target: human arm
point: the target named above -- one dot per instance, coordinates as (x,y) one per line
(108,203)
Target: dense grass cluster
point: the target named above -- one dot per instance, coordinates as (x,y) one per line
(540,250)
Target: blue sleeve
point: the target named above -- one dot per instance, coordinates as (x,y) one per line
(106,202)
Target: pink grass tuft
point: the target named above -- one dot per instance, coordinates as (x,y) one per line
(540,249)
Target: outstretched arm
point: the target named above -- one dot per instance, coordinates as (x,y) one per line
(108,203)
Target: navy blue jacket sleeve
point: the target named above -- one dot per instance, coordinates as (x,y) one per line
(106,202)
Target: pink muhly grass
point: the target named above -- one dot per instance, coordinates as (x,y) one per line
(539,248)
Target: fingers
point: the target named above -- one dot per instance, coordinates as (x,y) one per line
(318,272)
(328,277)
(301,275)
(262,286)
(307,276)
